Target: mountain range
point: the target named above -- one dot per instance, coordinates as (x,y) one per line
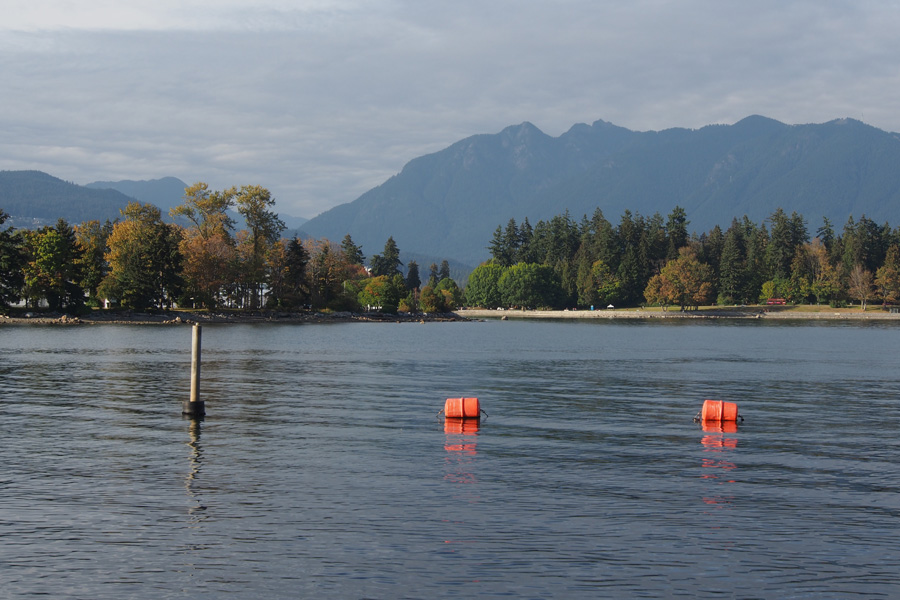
(448,204)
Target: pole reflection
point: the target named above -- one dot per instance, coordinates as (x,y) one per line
(716,467)
(196,511)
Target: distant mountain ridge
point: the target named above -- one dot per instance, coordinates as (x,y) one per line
(34,198)
(447,204)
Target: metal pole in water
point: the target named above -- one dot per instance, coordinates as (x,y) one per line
(194,407)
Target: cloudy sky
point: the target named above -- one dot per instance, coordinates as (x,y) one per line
(320,100)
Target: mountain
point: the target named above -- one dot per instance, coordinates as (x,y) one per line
(164,193)
(34,199)
(448,204)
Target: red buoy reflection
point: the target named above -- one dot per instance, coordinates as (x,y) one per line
(460,442)
(716,467)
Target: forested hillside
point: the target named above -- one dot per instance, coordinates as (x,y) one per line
(34,198)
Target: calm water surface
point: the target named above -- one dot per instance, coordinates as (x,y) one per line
(322,471)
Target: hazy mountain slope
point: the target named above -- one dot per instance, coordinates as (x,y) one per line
(34,198)
(163,193)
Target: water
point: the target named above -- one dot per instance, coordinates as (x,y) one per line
(322,471)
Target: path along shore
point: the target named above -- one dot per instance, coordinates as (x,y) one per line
(750,312)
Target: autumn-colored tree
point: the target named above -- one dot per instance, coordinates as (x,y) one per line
(432,301)
(887,278)
(861,284)
(207,245)
(144,259)
(684,281)
(206,210)
(333,281)
(824,279)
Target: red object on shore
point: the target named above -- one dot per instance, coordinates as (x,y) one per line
(462,408)
(719,410)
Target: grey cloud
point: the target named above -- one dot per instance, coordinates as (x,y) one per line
(330,104)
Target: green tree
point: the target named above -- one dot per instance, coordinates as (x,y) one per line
(383,293)
(452,294)
(444,271)
(482,288)
(433,301)
(388,262)
(676,232)
(528,285)
(352,251)
(264,229)
(607,285)
(732,266)
(53,270)
(91,238)
(288,260)
(412,275)
(11,263)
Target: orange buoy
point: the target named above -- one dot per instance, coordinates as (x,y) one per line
(462,408)
(719,410)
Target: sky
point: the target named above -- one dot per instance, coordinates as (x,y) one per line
(321,100)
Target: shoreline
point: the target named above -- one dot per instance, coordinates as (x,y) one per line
(191,317)
(759,312)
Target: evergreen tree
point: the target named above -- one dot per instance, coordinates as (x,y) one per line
(433,275)
(444,271)
(412,276)
(352,252)
(11,263)
(388,263)
(732,266)
(676,232)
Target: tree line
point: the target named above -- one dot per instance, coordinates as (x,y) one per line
(654,261)
(201,261)
(142,262)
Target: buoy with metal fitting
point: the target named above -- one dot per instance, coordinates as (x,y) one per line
(462,408)
(718,411)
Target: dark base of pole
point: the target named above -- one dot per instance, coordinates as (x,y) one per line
(196,408)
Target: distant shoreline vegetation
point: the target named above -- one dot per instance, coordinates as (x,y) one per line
(139,262)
